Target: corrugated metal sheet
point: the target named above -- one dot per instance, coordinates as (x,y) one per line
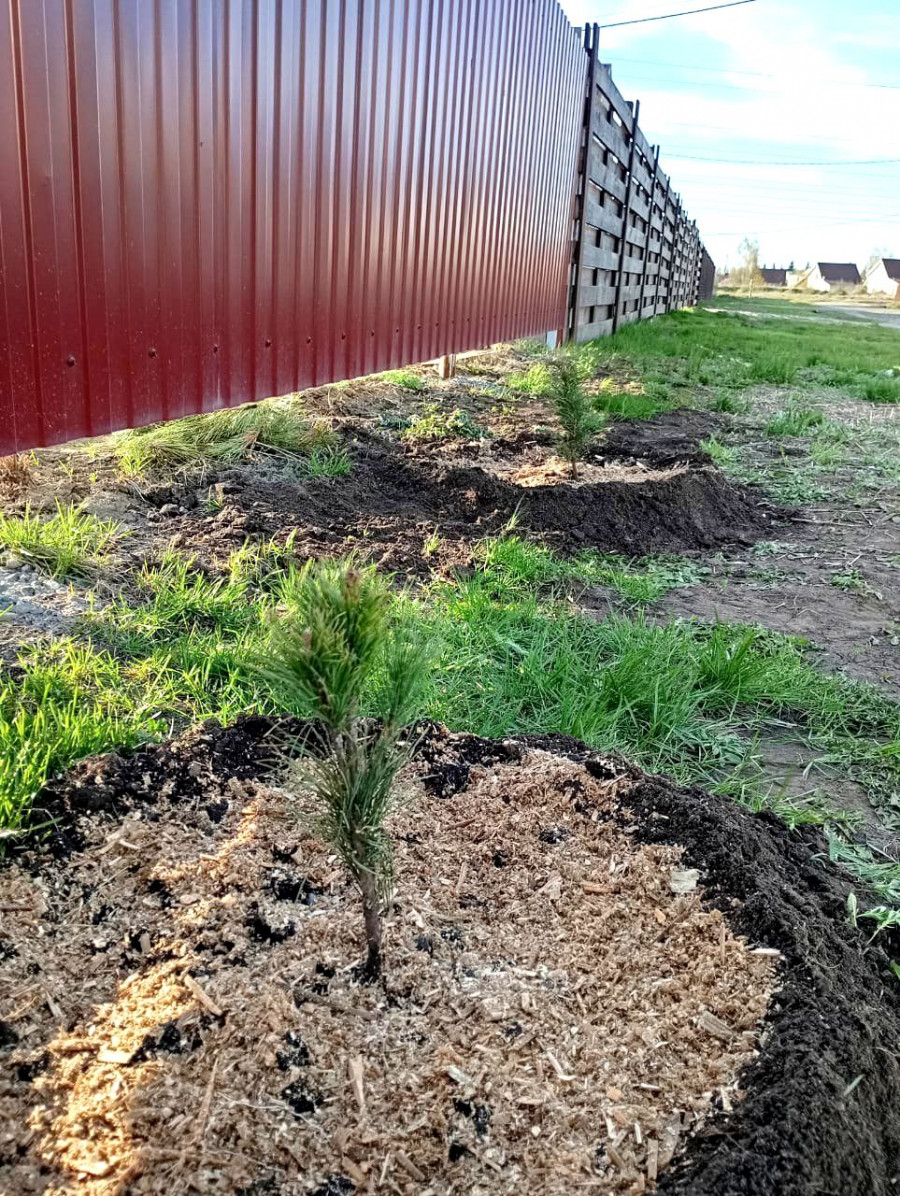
(204,202)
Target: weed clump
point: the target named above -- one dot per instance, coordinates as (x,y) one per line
(221,436)
(578,420)
(71,543)
(433,423)
(15,472)
(405,378)
(794,421)
(536,380)
(325,653)
(883,389)
(328,461)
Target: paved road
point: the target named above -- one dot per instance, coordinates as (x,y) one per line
(887,317)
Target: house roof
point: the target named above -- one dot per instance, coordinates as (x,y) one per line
(839,271)
(774,276)
(892,265)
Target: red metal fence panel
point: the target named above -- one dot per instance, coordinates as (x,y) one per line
(204,202)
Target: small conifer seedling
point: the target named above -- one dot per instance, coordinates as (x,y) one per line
(339,638)
(577,418)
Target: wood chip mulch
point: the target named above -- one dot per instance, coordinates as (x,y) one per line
(554,471)
(180,1012)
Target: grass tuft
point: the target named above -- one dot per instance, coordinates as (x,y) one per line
(794,421)
(881,390)
(275,426)
(405,378)
(536,380)
(328,462)
(71,543)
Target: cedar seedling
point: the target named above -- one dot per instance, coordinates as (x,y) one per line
(339,637)
(573,409)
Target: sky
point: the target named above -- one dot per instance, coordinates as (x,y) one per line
(773,83)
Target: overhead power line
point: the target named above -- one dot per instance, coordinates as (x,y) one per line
(770,162)
(650,77)
(689,12)
(719,70)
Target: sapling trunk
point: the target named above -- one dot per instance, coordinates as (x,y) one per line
(372,919)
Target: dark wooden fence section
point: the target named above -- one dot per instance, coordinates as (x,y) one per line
(204,202)
(636,254)
(707,286)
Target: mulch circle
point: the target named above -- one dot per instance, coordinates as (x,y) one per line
(819,1110)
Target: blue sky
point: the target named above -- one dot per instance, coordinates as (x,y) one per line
(782,81)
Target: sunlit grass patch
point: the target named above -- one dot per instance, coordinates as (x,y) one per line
(794,421)
(408,379)
(275,426)
(70,543)
(536,380)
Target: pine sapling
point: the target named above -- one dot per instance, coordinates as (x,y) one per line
(339,633)
(577,418)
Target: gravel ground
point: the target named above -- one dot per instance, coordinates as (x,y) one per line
(31,599)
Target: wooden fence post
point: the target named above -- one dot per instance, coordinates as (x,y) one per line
(629,187)
(649,233)
(591,38)
(662,252)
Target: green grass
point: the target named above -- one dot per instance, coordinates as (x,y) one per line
(881,390)
(405,378)
(794,421)
(512,565)
(536,380)
(71,543)
(276,427)
(687,699)
(328,462)
(626,405)
(729,350)
(674,696)
(730,404)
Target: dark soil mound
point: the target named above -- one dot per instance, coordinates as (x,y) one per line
(821,1108)
(111,785)
(393,500)
(696,509)
(665,439)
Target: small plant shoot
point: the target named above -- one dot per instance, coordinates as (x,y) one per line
(578,420)
(340,640)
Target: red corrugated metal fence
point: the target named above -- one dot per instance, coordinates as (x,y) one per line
(204,202)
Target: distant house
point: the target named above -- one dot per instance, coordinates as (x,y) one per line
(883,277)
(797,278)
(773,278)
(833,276)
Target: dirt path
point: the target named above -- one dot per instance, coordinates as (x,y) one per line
(886,317)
